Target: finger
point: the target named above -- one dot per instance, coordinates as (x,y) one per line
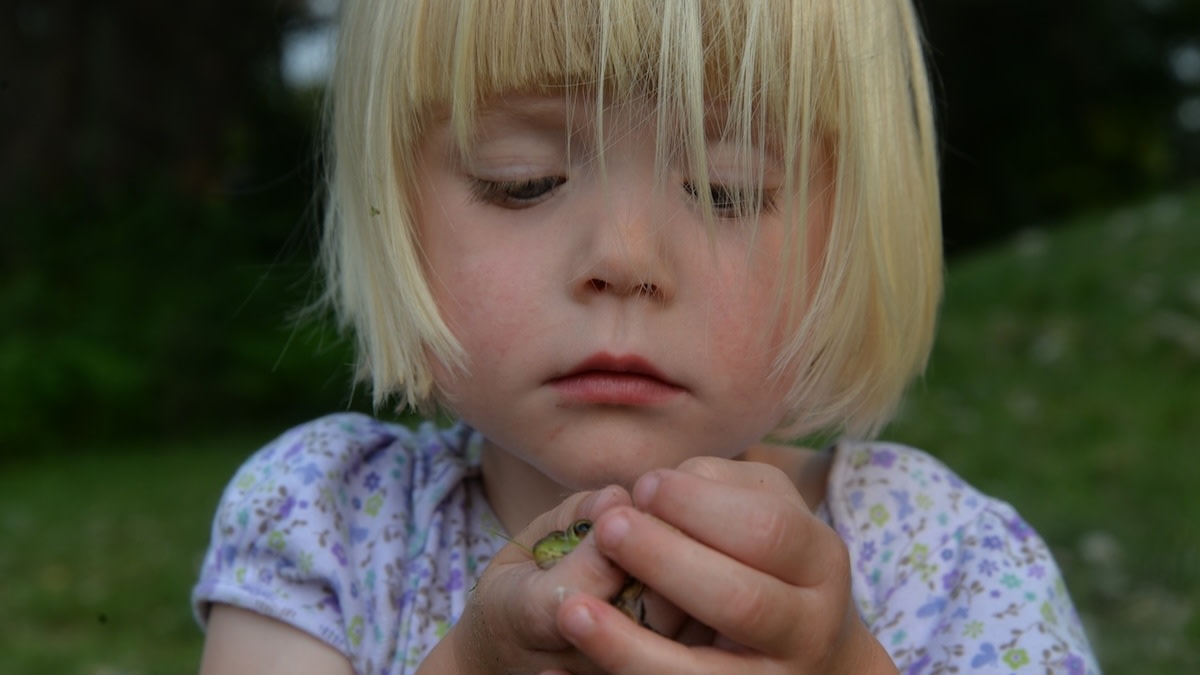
(596,503)
(745,604)
(581,505)
(751,475)
(767,528)
(619,647)
(584,569)
(526,597)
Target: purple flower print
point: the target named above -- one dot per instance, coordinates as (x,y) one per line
(371,482)
(1074,664)
(951,580)
(285,509)
(229,554)
(456,580)
(932,608)
(868,550)
(884,458)
(310,473)
(988,567)
(993,543)
(332,602)
(1037,571)
(903,503)
(1019,528)
(294,450)
(340,553)
(986,656)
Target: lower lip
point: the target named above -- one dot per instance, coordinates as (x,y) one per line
(616,389)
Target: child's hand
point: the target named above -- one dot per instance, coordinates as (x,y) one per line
(749,560)
(508,624)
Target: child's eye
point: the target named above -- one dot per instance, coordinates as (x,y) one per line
(515,194)
(733,201)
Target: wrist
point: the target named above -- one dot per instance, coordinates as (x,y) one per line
(443,659)
(866,654)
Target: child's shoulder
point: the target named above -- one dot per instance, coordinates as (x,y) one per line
(346,447)
(312,522)
(335,471)
(943,572)
(878,484)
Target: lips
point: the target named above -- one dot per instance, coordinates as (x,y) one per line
(605,379)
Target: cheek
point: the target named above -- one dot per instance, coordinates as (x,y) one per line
(742,294)
(493,294)
(485,304)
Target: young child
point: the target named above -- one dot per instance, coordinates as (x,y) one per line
(624,243)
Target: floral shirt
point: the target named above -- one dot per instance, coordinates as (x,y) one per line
(370,536)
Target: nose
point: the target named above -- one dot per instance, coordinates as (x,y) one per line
(626,252)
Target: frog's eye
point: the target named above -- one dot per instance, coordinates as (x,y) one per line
(580,528)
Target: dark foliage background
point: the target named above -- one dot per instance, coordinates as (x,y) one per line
(156,180)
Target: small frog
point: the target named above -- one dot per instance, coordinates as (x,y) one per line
(558,543)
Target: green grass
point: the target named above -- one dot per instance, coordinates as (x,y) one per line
(1066,380)
(98,551)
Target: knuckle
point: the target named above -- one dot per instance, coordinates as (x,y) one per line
(706,467)
(750,606)
(536,617)
(837,559)
(773,529)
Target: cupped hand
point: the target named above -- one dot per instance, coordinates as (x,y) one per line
(734,546)
(509,624)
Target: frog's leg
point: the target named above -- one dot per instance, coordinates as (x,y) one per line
(629,601)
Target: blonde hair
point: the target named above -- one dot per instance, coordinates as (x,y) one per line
(847,73)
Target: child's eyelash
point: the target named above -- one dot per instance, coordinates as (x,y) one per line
(514,194)
(728,201)
(733,201)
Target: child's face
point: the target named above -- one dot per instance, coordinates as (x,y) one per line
(609,330)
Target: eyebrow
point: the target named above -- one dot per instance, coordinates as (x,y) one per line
(524,109)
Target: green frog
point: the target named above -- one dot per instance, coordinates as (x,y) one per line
(548,550)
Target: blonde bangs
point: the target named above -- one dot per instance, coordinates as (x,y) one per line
(757,58)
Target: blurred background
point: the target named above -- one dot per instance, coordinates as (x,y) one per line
(158,220)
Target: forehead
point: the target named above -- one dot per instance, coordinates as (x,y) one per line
(580,108)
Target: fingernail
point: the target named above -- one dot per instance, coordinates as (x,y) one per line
(609,496)
(613,530)
(644,491)
(578,621)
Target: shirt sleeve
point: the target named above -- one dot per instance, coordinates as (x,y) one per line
(283,532)
(950,579)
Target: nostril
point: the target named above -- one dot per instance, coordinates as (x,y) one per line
(647,290)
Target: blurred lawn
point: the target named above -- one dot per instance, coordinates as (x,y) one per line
(1066,380)
(98,551)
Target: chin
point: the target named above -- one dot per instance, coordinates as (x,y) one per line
(612,462)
